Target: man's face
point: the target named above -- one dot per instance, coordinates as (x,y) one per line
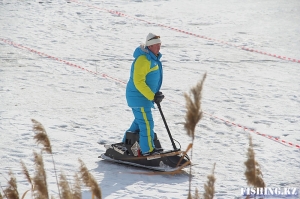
(155,48)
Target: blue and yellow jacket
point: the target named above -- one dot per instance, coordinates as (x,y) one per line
(145,80)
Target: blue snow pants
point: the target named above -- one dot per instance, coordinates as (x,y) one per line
(143,121)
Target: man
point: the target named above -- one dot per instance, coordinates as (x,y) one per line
(142,91)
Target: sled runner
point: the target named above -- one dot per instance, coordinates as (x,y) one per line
(129,153)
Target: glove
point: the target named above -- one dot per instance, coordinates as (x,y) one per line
(158,97)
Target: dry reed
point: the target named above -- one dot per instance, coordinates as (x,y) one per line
(196,196)
(89,180)
(193,105)
(76,190)
(41,137)
(11,192)
(39,179)
(27,176)
(193,116)
(209,188)
(26,173)
(38,183)
(253,173)
(65,188)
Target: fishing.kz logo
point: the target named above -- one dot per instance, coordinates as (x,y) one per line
(270,191)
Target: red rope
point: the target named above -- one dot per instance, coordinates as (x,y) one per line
(189,33)
(120,81)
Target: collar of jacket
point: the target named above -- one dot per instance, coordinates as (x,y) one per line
(147,52)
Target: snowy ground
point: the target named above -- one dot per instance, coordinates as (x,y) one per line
(79,108)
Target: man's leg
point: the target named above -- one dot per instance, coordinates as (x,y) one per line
(133,128)
(144,119)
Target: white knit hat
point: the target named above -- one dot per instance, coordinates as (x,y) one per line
(152,39)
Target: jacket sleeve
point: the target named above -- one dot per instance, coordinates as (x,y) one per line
(140,71)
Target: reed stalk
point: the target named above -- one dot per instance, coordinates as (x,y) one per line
(193,116)
(253,173)
(89,180)
(41,137)
(11,192)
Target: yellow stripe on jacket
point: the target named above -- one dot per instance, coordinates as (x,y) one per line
(141,69)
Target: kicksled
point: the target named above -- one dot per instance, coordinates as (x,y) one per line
(129,153)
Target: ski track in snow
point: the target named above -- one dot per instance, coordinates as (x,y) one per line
(78,108)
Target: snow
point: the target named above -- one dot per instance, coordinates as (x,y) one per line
(79,108)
